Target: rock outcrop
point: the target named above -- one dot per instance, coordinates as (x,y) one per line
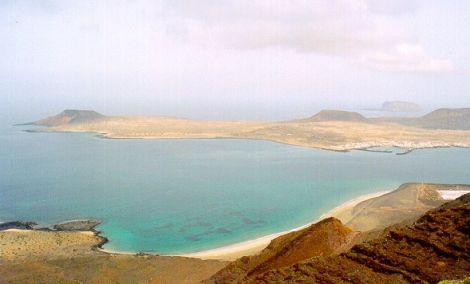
(17,225)
(77,225)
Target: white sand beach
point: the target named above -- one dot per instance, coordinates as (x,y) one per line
(250,247)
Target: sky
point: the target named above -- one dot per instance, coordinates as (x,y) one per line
(233,59)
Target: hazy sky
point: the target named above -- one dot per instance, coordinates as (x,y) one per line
(230,59)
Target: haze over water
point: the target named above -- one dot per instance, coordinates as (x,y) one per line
(177,196)
(239,59)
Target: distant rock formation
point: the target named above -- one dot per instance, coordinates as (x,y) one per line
(445,118)
(70,116)
(400,106)
(337,115)
(434,248)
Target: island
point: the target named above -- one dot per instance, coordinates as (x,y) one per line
(400,106)
(335,130)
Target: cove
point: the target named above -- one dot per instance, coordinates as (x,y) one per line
(181,196)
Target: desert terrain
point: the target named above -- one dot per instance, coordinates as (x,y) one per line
(329,129)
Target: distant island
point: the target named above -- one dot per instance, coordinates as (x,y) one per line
(335,130)
(400,106)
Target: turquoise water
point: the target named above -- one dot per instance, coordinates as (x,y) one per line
(179,196)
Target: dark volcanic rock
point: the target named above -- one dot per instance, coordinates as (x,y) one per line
(435,247)
(17,225)
(78,225)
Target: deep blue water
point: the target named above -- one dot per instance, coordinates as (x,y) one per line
(177,196)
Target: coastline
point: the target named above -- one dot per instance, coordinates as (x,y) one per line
(250,247)
(407,146)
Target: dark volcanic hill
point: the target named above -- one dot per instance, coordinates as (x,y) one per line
(71,116)
(435,247)
(337,115)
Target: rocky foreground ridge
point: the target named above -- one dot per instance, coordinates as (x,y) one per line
(435,247)
(324,238)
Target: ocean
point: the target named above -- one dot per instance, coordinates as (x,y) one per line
(182,196)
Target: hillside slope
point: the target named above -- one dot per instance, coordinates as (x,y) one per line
(409,201)
(435,247)
(324,238)
(445,118)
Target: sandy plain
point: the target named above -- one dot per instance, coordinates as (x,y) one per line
(329,135)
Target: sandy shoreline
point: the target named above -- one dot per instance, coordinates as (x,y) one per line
(254,246)
(250,247)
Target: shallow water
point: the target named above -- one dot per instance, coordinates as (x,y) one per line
(179,196)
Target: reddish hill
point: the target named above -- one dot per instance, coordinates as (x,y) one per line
(435,247)
(324,238)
